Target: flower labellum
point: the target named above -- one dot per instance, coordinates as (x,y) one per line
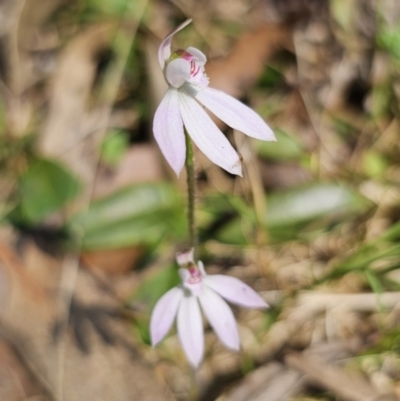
(183,302)
(183,104)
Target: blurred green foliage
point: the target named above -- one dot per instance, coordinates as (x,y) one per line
(374,164)
(114,147)
(139,214)
(270,78)
(390,342)
(296,213)
(286,148)
(388,39)
(45,187)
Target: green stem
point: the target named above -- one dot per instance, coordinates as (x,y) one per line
(191,188)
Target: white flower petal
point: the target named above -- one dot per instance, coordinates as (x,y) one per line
(177,72)
(235,291)
(185,275)
(164,51)
(164,313)
(221,318)
(235,114)
(168,130)
(200,265)
(203,82)
(190,330)
(206,135)
(197,54)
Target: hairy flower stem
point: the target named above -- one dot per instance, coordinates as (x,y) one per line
(191,188)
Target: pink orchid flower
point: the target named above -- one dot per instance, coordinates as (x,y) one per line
(182,106)
(183,301)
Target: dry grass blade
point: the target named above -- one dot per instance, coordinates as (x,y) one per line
(348,386)
(17,382)
(69,95)
(273,382)
(368,302)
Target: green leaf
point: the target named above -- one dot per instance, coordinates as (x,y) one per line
(270,78)
(113,9)
(374,282)
(139,214)
(290,212)
(44,188)
(362,258)
(236,232)
(307,203)
(388,39)
(286,147)
(391,234)
(151,289)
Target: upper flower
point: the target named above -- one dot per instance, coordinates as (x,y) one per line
(188,90)
(183,301)
(186,66)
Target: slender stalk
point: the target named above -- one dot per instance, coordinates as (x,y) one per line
(191,189)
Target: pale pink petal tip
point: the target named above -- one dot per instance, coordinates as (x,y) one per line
(207,136)
(235,114)
(168,131)
(221,318)
(190,330)
(163,314)
(164,51)
(235,291)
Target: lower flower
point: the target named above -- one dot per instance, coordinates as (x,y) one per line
(198,289)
